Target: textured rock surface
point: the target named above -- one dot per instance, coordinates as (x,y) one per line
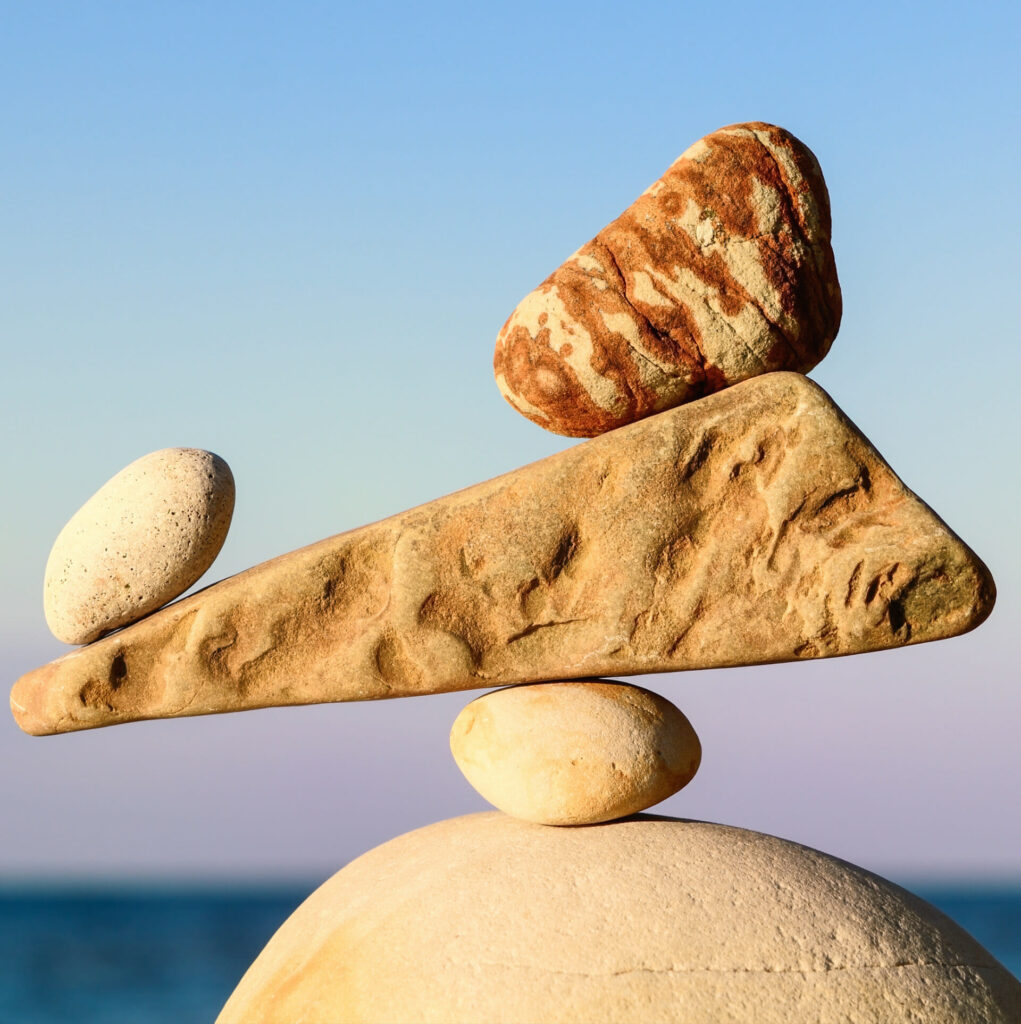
(755,526)
(720,271)
(489,919)
(141,540)
(574,753)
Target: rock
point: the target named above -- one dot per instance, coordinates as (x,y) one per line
(574,753)
(718,272)
(754,526)
(140,541)
(486,918)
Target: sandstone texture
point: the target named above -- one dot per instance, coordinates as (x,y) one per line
(140,541)
(756,525)
(490,919)
(574,753)
(720,271)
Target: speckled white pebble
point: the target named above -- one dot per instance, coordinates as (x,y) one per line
(140,541)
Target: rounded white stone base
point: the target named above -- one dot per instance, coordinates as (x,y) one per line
(491,919)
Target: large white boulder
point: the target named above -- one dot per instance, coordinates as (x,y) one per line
(487,918)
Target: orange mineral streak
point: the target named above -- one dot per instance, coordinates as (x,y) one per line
(718,272)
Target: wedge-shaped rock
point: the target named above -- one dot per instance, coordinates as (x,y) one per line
(719,271)
(757,525)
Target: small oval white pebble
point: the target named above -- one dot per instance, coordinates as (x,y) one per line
(140,541)
(574,753)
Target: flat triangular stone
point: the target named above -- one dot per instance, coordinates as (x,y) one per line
(756,525)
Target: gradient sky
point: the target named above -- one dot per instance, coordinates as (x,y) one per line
(290,232)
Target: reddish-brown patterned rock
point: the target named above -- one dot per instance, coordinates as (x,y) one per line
(720,271)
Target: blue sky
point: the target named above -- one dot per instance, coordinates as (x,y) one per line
(290,233)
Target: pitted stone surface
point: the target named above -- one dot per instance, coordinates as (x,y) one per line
(720,271)
(754,526)
(140,541)
(647,921)
(574,753)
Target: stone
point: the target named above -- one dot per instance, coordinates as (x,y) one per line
(487,918)
(140,541)
(719,271)
(574,753)
(754,526)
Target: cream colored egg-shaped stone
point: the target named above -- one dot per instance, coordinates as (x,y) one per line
(140,541)
(646,921)
(574,753)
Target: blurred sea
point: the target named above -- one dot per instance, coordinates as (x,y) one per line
(172,955)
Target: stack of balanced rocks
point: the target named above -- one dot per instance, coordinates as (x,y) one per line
(727,514)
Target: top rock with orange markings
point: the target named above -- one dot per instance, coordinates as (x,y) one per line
(720,271)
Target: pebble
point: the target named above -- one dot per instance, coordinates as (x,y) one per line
(574,753)
(140,541)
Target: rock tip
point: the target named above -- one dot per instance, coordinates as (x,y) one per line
(985,591)
(24,705)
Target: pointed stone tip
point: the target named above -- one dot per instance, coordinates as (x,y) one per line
(983,590)
(950,590)
(952,595)
(23,705)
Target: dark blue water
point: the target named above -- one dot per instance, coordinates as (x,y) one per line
(173,956)
(130,955)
